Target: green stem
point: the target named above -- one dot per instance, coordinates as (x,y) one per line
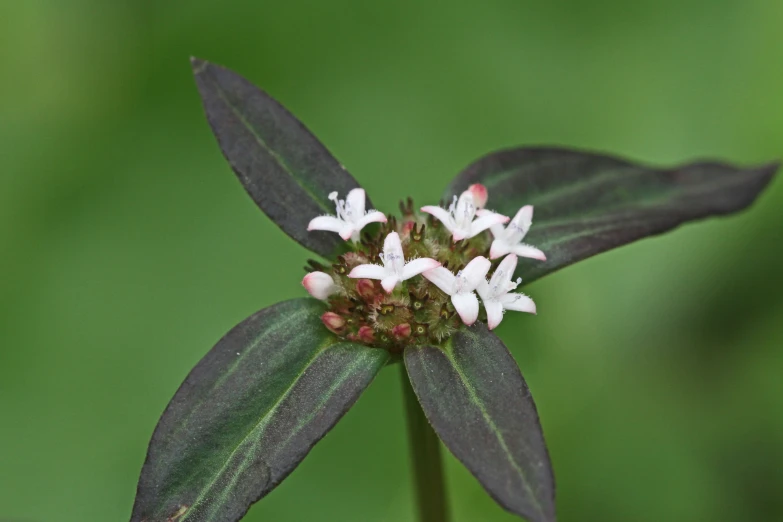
(425,455)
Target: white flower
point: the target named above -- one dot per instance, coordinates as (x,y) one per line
(394,268)
(497,295)
(509,240)
(351,217)
(458,219)
(319,284)
(461,286)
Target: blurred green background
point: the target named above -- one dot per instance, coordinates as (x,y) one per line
(129,249)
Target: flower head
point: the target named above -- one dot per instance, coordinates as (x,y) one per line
(394,268)
(351,217)
(459,218)
(508,240)
(497,295)
(460,287)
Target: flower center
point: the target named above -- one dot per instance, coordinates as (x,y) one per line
(417,311)
(342,207)
(463,210)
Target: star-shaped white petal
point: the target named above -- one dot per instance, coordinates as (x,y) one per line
(508,240)
(497,295)
(394,268)
(459,218)
(351,217)
(461,286)
(320,285)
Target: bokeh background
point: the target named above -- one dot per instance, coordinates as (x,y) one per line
(128,248)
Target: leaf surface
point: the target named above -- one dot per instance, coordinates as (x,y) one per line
(588,203)
(283,167)
(248,414)
(473,394)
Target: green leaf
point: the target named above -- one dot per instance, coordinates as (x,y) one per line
(587,203)
(248,413)
(284,168)
(474,396)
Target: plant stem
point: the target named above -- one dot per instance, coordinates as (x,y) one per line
(425,456)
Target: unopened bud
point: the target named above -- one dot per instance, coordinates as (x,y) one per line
(366,289)
(402,331)
(333,322)
(479,192)
(366,334)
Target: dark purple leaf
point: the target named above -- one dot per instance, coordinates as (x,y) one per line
(474,396)
(249,413)
(284,168)
(588,203)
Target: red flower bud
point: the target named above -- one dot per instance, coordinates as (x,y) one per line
(366,289)
(402,331)
(333,322)
(367,334)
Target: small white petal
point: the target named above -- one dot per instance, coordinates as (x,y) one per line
(486,220)
(498,230)
(525,215)
(348,231)
(388,283)
(504,271)
(442,278)
(475,272)
(467,307)
(494,313)
(520,225)
(392,252)
(441,214)
(518,303)
(458,234)
(465,210)
(417,266)
(483,291)
(328,223)
(499,248)
(354,201)
(523,250)
(373,216)
(319,284)
(368,272)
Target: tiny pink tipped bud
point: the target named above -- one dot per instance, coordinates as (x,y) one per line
(366,334)
(480,194)
(401,331)
(408,226)
(366,289)
(319,285)
(333,322)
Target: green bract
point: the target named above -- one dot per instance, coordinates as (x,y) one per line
(254,406)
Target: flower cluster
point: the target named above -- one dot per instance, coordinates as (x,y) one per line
(432,264)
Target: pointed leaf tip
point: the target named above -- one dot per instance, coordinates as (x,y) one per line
(280,163)
(588,203)
(475,397)
(197,64)
(248,413)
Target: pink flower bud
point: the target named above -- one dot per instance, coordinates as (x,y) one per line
(333,322)
(479,192)
(367,334)
(366,289)
(401,331)
(320,285)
